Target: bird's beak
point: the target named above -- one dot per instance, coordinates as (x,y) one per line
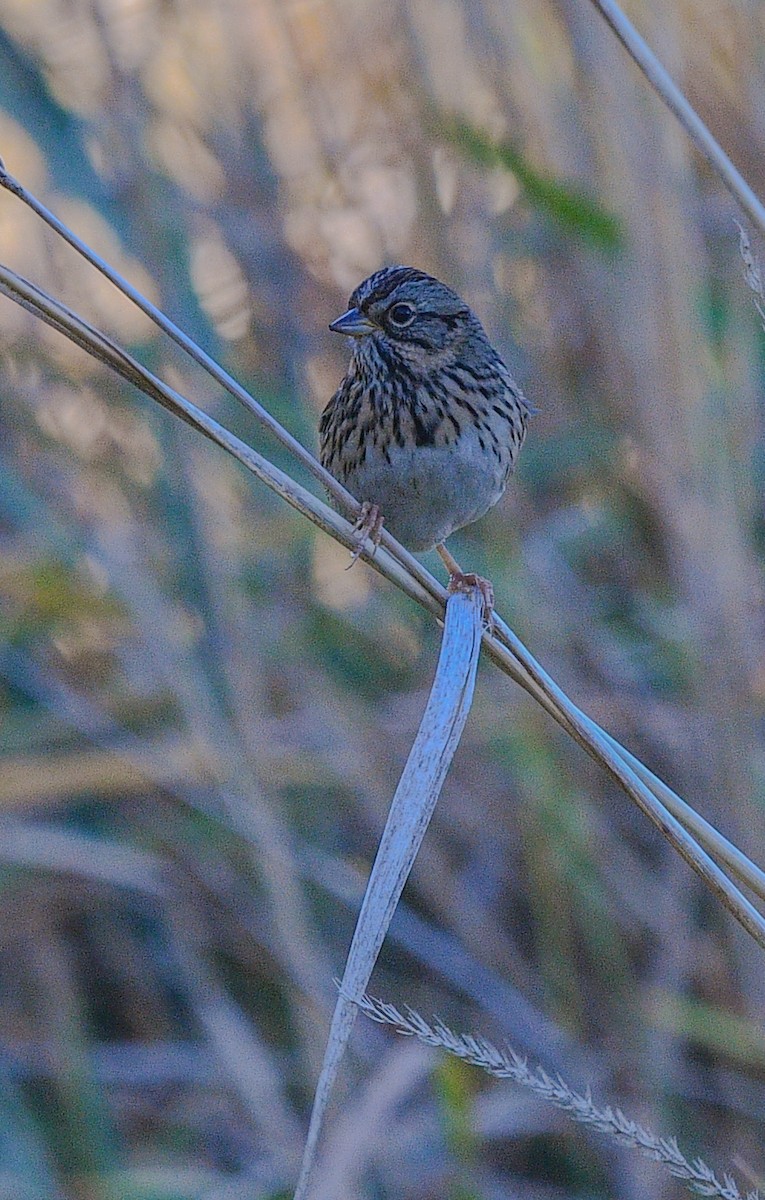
(353,324)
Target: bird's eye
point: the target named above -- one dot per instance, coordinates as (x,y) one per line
(401,314)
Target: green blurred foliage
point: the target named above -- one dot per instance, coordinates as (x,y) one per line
(569,207)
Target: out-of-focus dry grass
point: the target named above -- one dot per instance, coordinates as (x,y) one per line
(202,715)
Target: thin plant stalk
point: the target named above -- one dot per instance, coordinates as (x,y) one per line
(531,676)
(518,663)
(347,502)
(410,812)
(670,93)
(507,1064)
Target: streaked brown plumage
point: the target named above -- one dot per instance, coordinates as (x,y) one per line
(427,424)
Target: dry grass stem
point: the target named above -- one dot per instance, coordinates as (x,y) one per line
(506,1064)
(348,503)
(410,812)
(504,648)
(752,272)
(670,93)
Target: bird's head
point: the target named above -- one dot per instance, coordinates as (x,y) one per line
(414,315)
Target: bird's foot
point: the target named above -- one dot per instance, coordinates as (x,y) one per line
(369,525)
(468,581)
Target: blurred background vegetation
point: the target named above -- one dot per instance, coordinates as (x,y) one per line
(203,716)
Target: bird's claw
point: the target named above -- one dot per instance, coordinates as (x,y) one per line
(368,525)
(468,581)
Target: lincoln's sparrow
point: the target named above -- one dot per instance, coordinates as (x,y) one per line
(426,426)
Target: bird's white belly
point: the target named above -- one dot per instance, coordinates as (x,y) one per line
(426,492)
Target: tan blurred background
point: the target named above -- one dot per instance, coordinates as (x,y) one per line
(203,715)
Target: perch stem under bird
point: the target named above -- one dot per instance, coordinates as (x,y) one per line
(427,424)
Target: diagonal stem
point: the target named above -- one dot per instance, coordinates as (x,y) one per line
(347,502)
(698,132)
(509,653)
